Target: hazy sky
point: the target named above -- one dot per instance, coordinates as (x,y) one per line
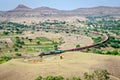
(58,4)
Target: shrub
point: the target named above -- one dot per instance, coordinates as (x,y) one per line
(78,46)
(18,54)
(88,76)
(16,49)
(49,78)
(114,52)
(96,75)
(39,78)
(115,45)
(55,47)
(101,75)
(59,78)
(6,58)
(75,78)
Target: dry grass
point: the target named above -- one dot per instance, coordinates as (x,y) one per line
(31,20)
(72,64)
(70,41)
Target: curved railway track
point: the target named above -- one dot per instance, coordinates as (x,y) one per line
(81,48)
(92,45)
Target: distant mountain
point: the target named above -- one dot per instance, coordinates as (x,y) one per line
(24,11)
(46,11)
(98,11)
(44,8)
(21,8)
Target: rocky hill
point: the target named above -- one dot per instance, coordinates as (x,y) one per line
(24,11)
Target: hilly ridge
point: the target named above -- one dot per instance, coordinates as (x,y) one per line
(24,11)
(21,8)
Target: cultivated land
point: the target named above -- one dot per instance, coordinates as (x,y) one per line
(72,64)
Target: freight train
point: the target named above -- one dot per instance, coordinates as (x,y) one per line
(77,49)
(92,45)
(51,52)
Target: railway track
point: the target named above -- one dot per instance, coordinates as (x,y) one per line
(92,45)
(73,49)
(81,48)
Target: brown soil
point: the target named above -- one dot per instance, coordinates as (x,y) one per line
(71,64)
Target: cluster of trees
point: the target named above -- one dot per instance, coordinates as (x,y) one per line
(96,75)
(112,42)
(109,52)
(18,43)
(1,27)
(6,32)
(104,22)
(98,39)
(113,52)
(18,54)
(14,27)
(4,59)
(53,22)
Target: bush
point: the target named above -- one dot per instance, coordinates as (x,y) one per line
(78,46)
(88,76)
(96,75)
(55,47)
(18,54)
(16,49)
(49,78)
(6,58)
(59,78)
(2,61)
(5,33)
(75,78)
(115,45)
(101,75)
(98,51)
(39,78)
(114,52)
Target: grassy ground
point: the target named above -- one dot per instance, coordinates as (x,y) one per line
(72,64)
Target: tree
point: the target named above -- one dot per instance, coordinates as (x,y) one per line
(115,45)
(30,40)
(26,37)
(97,75)
(108,52)
(58,78)
(6,58)
(0,49)
(114,52)
(5,33)
(75,78)
(55,47)
(88,76)
(101,75)
(98,51)
(38,42)
(18,54)
(49,78)
(39,78)
(16,49)
(1,27)
(78,46)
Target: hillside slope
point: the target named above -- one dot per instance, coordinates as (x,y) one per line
(72,64)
